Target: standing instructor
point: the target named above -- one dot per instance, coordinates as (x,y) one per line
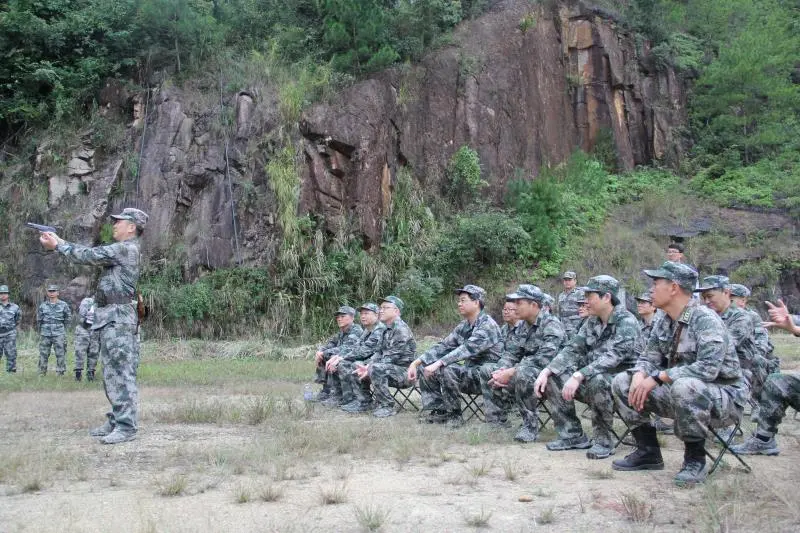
(115,317)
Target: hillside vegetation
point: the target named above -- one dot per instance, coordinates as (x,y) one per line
(741,58)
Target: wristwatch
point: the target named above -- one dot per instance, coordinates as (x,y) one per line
(578,376)
(655,375)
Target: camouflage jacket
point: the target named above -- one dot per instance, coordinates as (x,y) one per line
(647,328)
(763,343)
(541,342)
(512,340)
(398,346)
(9,318)
(600,348)
(742,332)
(368,344)
(120,262)
(52,319)
(568,311)
(475,344)
(705,350)
(85,314)
(342,340)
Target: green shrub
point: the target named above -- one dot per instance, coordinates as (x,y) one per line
(464,177)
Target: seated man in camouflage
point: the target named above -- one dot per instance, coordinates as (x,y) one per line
(780,391)
(510,321)
(389,365)
(356,396)
(689,372)
(348,335)
(475,341)
(739,295)
(539,339)
(716,293)
(608,342)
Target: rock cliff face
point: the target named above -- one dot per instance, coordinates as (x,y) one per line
(522,98)
(523,85)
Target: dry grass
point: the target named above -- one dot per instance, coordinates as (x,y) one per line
(478,519)
(636,509)
(600,473)
(333,495)
(172,485)
(371,517)
(270,493)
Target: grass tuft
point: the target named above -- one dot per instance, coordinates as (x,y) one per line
(371,517)
(636,509)
(174,485)
(333,495)
(478,519)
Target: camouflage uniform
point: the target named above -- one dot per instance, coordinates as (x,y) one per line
(598,351)
(87,342)
(568,311)
(52,319)
(707,384)
(9,320)
(768,363)
(474,344)
(780,391)
(116,321)
(497,402)
(389,365)
(336,344)
(367,346)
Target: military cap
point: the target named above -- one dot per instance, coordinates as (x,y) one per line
(136,216)
(580,295)
(527,292)
(569,275)
(714,282)
(646,296)
(394,300)
(476,292)
(548,300)
(370,307)
(346,310)
(3,289)
(52,288)
(682,274)
(602,284)
(737,289)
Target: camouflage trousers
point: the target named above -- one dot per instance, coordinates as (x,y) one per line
(780,391)
(352,387)
(59,346)
(385,375)
(496,401)
(594,392)
(330,382)
(442,390)
(87,348)
(692,403)
(119,353)
(8,347)
(758,373)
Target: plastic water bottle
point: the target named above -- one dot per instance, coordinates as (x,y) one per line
(308,392)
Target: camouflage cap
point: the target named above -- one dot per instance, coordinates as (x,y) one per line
(345,310)
(602,284)
(3,289)
(682,274)
(397,302)
(580,295)
(714,282)
(646,296)
(569,274)
(370,307)
(52,288)
(737,289)
(476,292)
(548,300)
(136,216)
(527,292)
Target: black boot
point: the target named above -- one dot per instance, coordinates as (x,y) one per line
(646,456)
(78,375)
(90,375)
(693,470)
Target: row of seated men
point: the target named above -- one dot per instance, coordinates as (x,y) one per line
(699,365)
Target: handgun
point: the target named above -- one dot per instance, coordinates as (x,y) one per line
(41,228)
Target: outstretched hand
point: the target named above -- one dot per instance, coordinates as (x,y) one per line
(780,318)
(49,240)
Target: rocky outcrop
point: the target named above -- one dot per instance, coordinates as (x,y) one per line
(524,95)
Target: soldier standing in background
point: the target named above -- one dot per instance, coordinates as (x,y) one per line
(86,343)
(9,320)
(115,317)
(52,318)
(568,304)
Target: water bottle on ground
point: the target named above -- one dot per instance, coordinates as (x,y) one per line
(308,392)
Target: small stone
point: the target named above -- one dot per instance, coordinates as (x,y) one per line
(525,498)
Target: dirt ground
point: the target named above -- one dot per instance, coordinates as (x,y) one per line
(393,475)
